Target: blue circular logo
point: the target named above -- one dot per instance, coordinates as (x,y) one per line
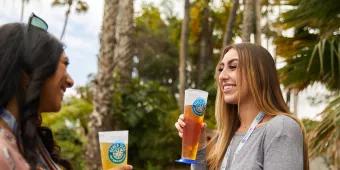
(198,107)
(117,152)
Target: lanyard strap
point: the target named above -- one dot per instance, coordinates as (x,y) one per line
(8,118)
(253,125)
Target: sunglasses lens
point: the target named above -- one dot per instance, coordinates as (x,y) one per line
(39,23)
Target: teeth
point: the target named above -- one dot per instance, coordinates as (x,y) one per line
(227,88)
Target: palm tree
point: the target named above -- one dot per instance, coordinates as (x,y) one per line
(325,138)
(183,52)
(231,21)
(124,31)
(81,6)
(22,9)
(248,20)
(258,22)
(205,37)
(313,55)
(101,118)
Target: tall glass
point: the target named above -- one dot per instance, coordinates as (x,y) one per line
(194,108)
(113,148)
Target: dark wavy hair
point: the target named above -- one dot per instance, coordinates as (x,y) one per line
(34,53)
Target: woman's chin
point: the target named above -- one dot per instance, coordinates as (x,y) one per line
(230,100)
(55,108)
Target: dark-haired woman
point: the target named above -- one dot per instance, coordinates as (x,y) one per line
(33,79)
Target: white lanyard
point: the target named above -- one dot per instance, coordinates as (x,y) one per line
(8,118)
(253,125)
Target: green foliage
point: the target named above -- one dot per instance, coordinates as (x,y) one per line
(309,124)
(313,55)
(81,5)
(72,146)
(327,52)
(320,15)
(324,138)
(157,47)
(309,60)
(149,111)
(69,128)
(74,110)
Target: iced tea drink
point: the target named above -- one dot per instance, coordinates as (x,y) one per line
(194,108)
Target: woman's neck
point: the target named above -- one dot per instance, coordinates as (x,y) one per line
(247,112)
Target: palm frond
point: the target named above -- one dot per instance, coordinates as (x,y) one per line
(324,138)
(322,15)
(327,53)
(82,6)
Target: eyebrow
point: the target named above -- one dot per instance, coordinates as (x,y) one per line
(232,60)
(229,62)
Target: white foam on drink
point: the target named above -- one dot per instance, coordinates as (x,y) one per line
(192,94)
(112,136)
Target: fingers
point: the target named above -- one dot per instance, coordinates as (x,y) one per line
(180,134)
(181,122)
(180,125)
(179,129)
(126,167)
(181,116)
(123,167)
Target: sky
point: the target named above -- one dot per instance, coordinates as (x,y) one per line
(82,42)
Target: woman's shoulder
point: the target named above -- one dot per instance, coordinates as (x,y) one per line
(283,134)
(10,157)
(7,138)
(283,125)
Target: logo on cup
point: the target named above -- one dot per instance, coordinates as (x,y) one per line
(198,107)
(117,152)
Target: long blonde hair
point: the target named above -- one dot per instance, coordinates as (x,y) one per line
(258,67)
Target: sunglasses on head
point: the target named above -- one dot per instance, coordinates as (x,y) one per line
(37,22)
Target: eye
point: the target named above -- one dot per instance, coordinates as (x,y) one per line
(232,67)
(220,68)
(66,62)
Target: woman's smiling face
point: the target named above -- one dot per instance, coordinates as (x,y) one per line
(229,79)
(54,87)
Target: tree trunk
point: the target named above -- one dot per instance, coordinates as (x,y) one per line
(288,94)
(101,118)
(258,22)
(183,52)
(124,50)
(22,10)
(204,43)
(248,20)
(67,14)
(228,35)
(296,101)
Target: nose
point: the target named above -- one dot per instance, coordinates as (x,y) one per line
(69,80)
(224,75)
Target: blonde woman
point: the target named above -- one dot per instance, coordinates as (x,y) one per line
(255,129)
